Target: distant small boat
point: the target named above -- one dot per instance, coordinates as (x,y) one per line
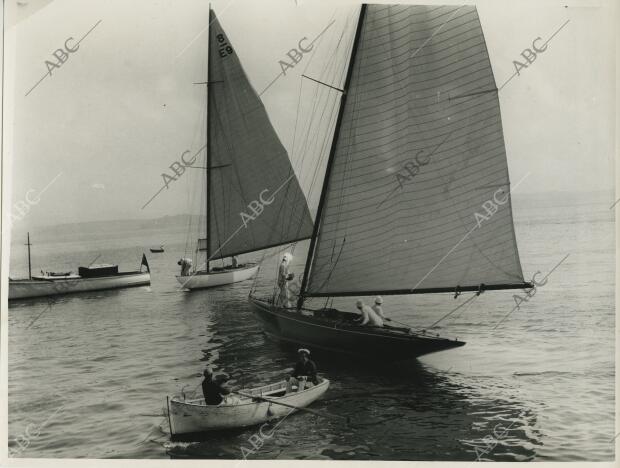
(90,278)
(156,250)
(193,416)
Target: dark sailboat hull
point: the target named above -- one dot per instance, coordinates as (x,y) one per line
(331,335)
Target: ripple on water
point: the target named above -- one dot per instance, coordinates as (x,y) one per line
(546,374)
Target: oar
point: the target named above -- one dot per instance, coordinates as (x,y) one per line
(299,408)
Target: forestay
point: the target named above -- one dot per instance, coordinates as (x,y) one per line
(254,198)
(419,152)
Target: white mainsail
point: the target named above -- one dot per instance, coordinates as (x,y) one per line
(418,152)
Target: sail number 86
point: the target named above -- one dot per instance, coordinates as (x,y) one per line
(224,48)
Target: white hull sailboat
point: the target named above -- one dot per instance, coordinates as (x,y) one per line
(218,276)
(252,192)
(269,402)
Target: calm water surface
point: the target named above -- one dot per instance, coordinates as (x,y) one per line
(92,372)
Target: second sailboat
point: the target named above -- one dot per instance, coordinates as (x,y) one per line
(253,199)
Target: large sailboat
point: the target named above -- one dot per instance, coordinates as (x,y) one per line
(416,195)
(253,197)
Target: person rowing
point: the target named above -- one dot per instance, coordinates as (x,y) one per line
(214,388)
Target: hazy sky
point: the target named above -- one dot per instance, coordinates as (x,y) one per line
(122,108)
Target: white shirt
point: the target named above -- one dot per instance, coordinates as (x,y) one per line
(283,274)
(378,310)
(369,316)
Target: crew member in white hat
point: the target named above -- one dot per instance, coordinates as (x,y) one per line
(304,374)
(284,298)
(368,316)
(377,307)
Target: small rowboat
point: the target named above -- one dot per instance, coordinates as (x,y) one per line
(193,416)
(157,250)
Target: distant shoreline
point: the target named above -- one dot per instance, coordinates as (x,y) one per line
(183,220)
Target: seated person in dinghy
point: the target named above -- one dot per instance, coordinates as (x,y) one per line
(214,389)
(304,374)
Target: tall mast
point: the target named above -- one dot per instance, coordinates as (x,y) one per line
(332,153)
(208,144)
(29,264)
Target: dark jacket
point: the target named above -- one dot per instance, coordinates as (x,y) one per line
(308,369)
(213,392)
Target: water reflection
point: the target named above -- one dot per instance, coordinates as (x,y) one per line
(405,411)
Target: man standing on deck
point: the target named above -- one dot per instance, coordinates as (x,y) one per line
(368,315)
(284,299)
(304,374)
(186,265)
(214,389)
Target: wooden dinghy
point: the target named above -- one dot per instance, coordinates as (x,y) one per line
(255,406)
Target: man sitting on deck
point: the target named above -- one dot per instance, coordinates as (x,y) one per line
(214,388)
(304,374)
(369,316)
(378,308)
